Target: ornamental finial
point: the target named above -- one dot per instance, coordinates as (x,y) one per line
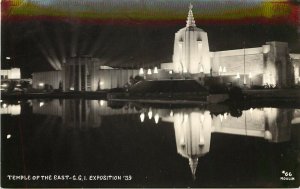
(190,19)
(191,6)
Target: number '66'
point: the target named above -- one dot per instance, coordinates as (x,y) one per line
(287,174)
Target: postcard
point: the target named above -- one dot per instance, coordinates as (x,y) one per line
(150,93)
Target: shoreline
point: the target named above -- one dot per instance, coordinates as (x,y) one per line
(265,96)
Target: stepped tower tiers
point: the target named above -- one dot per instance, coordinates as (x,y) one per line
(191,50)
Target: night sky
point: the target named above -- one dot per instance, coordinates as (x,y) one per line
(39,35)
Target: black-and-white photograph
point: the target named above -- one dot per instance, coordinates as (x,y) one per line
(150,93)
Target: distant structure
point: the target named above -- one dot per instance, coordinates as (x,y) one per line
(270,64)
(10,76)
(13,73)
(295,59)
(84,73)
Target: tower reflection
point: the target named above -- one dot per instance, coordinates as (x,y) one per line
(192,132)
(194,127)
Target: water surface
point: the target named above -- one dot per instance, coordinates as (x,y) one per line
(148,146)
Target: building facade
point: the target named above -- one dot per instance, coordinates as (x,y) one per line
(84,74)
(270,64)
(13,73)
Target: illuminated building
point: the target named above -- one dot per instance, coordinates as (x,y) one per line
(84,73)
(191,50)
(10,76)
(13,73)
(270,64)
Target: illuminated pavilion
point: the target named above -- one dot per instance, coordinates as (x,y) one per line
(270,64)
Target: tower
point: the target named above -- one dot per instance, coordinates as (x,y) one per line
(191,49)
(193,133)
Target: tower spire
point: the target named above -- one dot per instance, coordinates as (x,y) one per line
(190,19)
(193,165)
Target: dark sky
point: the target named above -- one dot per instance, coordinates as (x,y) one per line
(29,42)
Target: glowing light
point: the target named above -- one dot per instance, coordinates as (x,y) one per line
(102,102)
(238,76)
(220,70)
(8,136)
(1,100)
(149,72)
(180,44)
(266,49)
(224,70)
(101,83)
(155,70)
(171,113)
(18,85)
(268,135)
(7,58)
(150,114)
(142,117)
(201,141)
(202,118)
(41,84)
(221,118)
(4,85)
(184,70)
(141,72)
(199,45)
(250,75)
(71,88)
(225,116)
(4,105)
(182,141)
(201,69)
(42,104)
(185,118)
(15,109)
(156,118)
(170,72)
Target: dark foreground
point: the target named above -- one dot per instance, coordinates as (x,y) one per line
(92,143)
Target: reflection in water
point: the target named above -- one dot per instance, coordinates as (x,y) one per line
(192,131)
(13,109)
(193,127)
(79,112)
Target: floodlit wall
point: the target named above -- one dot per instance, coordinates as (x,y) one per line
(295,58)
(232,62)
(14,73)
(271,61)
(78,73)
(51,78)
(112,78)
